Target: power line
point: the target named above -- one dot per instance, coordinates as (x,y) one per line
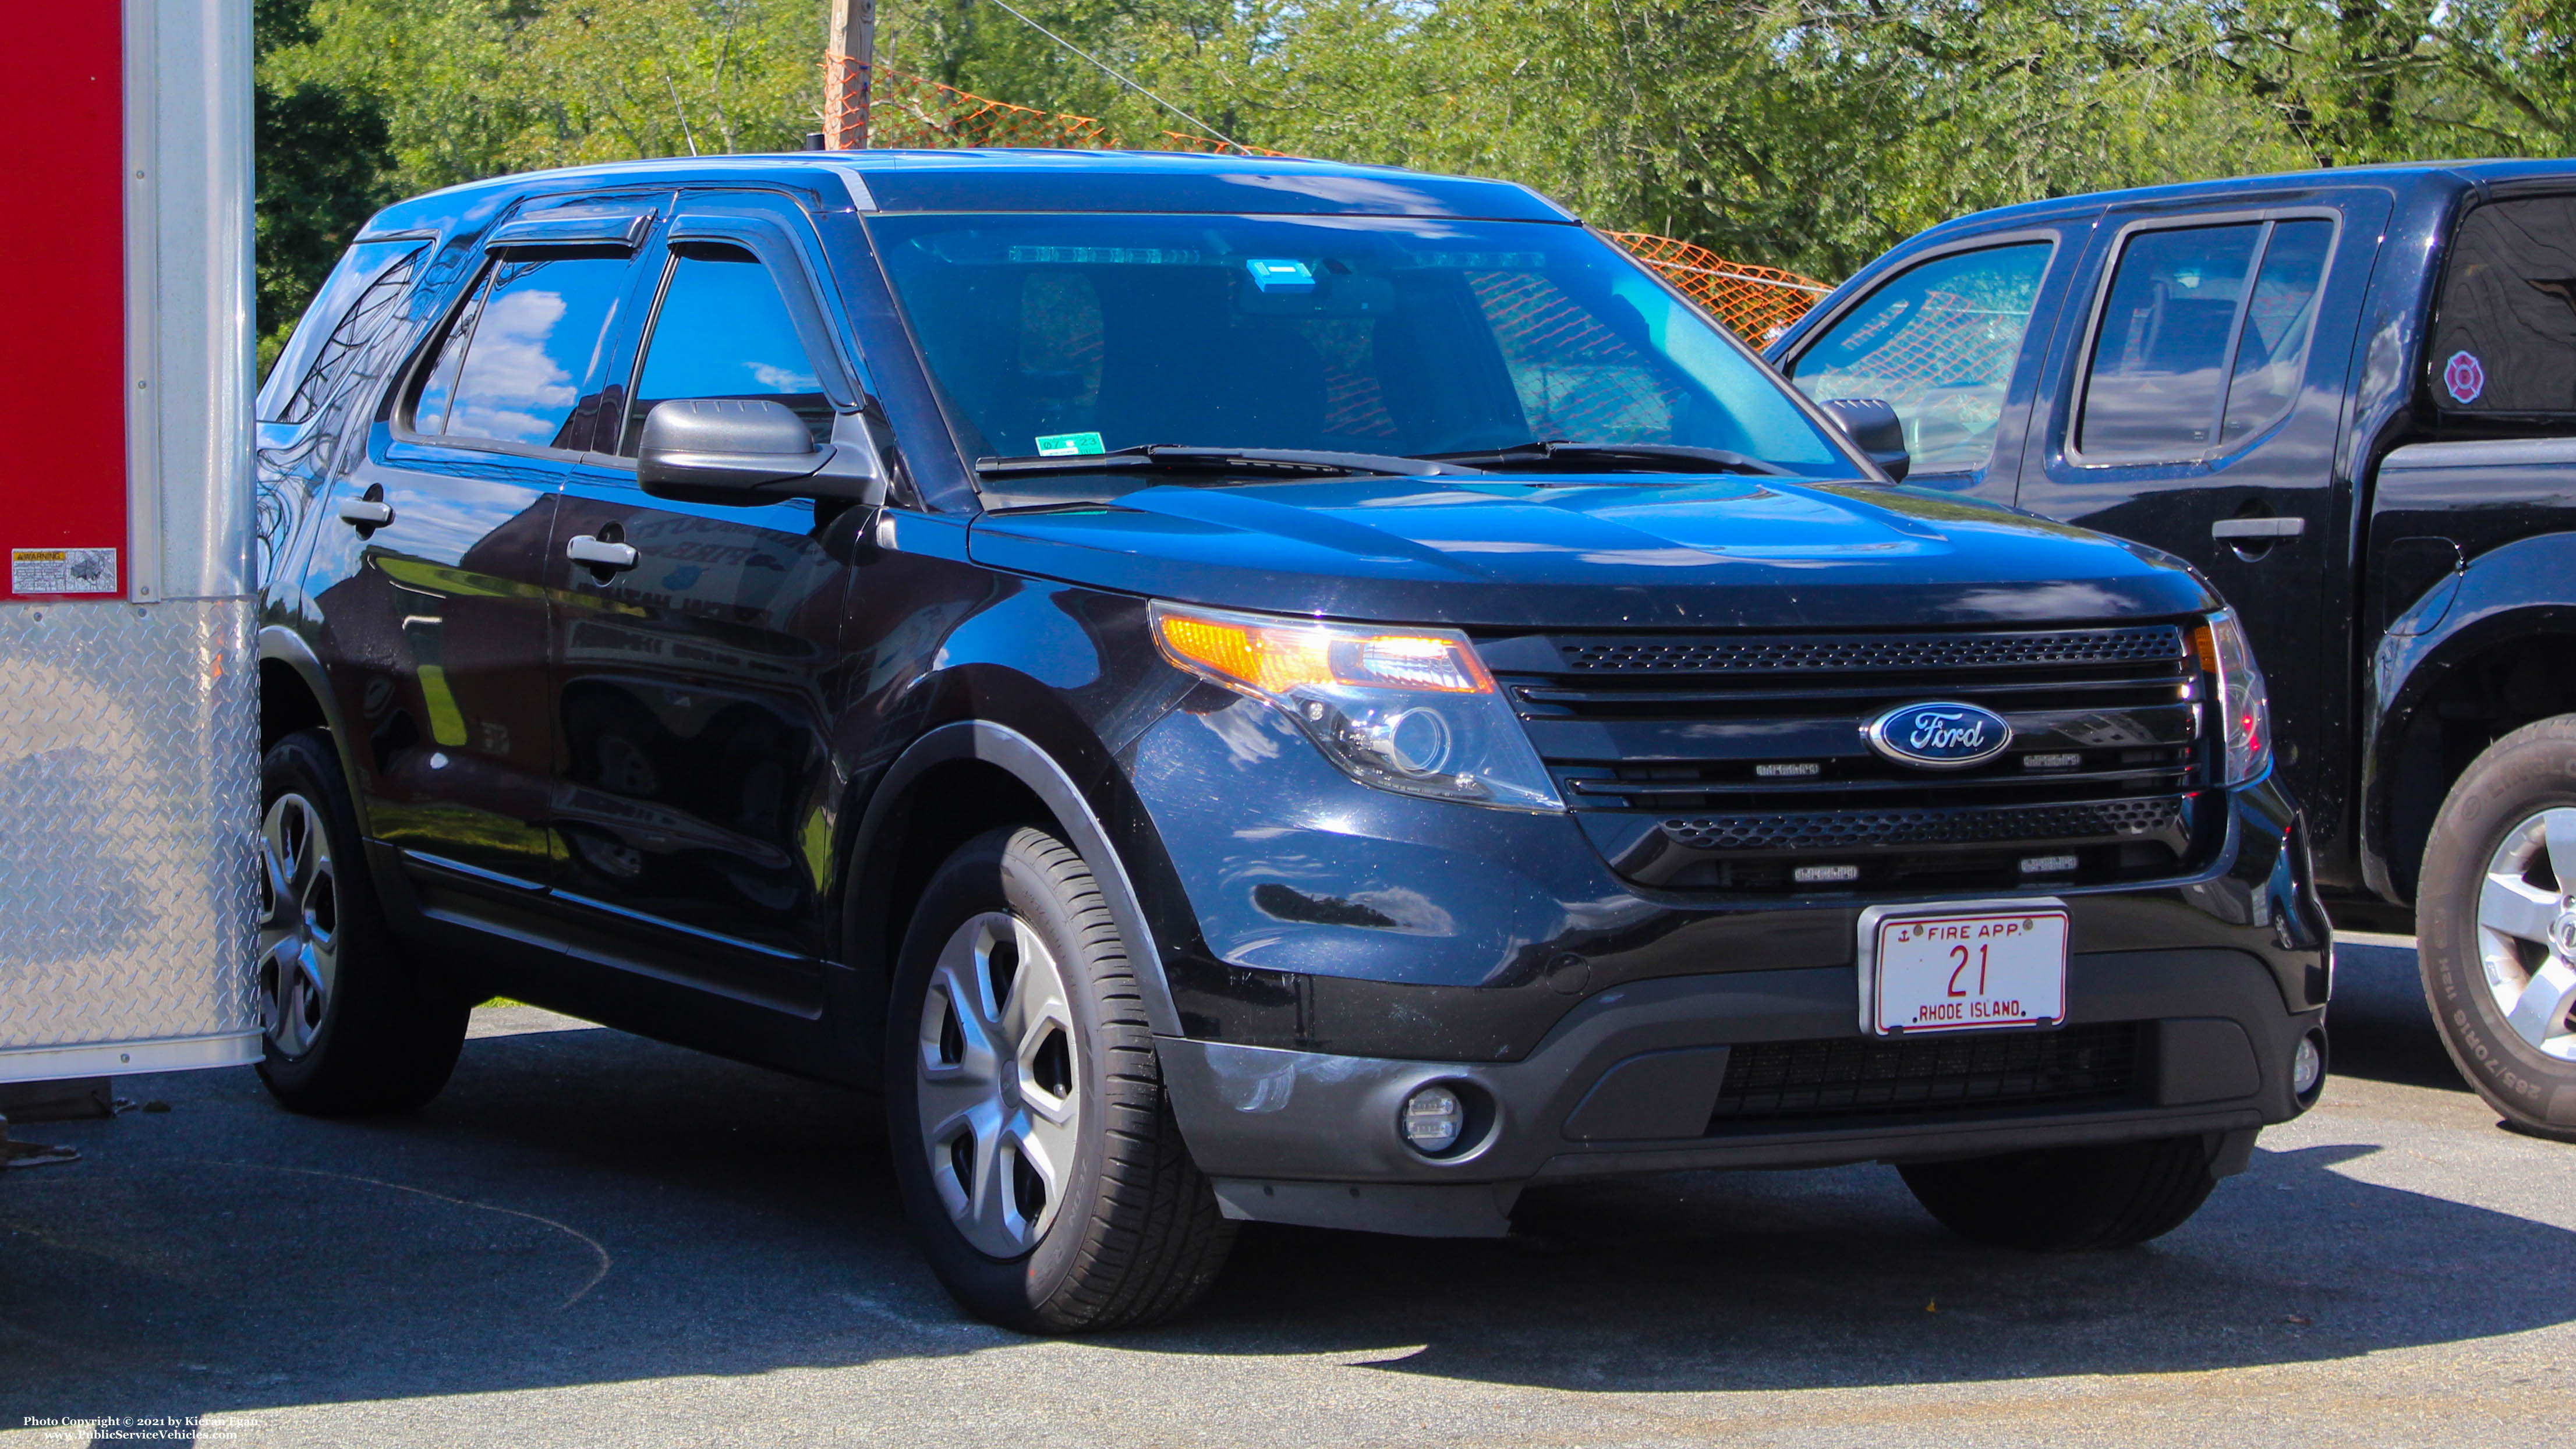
(1113,74)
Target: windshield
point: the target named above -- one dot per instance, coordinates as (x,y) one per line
(1066,334)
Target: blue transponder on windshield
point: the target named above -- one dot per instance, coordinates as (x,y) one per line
(1276,274)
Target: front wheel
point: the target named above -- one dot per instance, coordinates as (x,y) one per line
(1040,1166)
(2496,926)
(2064,1199)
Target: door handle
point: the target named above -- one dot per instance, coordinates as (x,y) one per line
(605,555)
(2258,528)
(366,512)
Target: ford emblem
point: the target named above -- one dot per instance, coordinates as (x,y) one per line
(1940,736)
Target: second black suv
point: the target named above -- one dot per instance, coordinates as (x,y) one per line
(1234,690)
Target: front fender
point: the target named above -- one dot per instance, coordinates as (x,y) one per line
(2523,588)
(1047,778)
(1046,684)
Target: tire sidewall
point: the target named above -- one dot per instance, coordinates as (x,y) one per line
(2530,770)
(986,875)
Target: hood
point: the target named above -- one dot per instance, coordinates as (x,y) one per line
(1723,552)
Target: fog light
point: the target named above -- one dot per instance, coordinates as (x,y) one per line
(2307,1067)
(1432,1119)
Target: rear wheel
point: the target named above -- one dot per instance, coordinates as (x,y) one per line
(1039,1163)
(2496,926)
(349,1028)
(2062,1199)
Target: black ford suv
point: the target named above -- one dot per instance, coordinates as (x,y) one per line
(1234,690)
(2349,397)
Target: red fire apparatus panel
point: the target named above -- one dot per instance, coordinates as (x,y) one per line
(62,331)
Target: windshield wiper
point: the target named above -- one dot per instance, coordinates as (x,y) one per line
(1642,458)
(1177,458)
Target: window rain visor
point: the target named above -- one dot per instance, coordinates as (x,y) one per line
(1054,334)
(1409,710)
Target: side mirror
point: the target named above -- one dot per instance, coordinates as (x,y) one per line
(1872,424)
(747,451)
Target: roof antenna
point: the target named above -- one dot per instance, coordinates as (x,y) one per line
(682,112)
(1122,80)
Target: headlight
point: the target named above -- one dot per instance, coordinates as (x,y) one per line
(1410,710)
(2245,713)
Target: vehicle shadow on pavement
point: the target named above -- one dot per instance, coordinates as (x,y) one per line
(1824,1280)
(583,1207)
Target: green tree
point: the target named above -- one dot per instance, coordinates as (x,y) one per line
(322,158)
(1803,133)
(2393,80)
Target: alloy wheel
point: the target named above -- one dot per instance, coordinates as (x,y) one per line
(999,1071)
(299,924)
(2527,929)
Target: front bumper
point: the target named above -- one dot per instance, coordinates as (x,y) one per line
(1329,948)
(1627,1081)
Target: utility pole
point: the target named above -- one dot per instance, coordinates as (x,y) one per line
(849,66)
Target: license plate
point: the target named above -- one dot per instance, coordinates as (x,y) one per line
(1963,971)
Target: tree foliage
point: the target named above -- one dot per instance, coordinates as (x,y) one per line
(1803,133)
(324,168)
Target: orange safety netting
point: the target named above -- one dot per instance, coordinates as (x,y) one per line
(904,110)
(848,87)
(1757,303)
(910,111)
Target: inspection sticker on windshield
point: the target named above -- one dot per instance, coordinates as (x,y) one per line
(62,570)
(1277,274)
(1963,972)
(1068,445)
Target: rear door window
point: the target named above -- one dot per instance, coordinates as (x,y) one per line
(724,331)
(516,360)
(2272,345)
(2504,339)
(1937,343)
(2159,362)
(2201,339)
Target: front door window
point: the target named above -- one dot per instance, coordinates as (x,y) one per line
(1937,344)
(724,332)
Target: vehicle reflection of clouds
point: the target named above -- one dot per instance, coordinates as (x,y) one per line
(781,379)
(2052,601)
(449,522)
(1246,741)
(514,389)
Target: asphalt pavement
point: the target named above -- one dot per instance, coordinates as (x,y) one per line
(592,1239)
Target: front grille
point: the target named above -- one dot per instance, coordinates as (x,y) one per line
(2086,823)
(1886,651)
(1738,762)
(1778,1084)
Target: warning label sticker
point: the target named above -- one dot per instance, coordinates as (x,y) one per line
(62,570)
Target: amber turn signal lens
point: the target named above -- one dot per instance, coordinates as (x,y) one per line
(1276,658)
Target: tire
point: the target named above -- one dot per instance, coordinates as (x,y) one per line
(2068,1199)
(349,1028)
(2496,923)
(1047,1183)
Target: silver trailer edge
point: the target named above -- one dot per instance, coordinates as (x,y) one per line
(129,775)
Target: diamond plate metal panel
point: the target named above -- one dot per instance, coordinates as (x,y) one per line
(129,797)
